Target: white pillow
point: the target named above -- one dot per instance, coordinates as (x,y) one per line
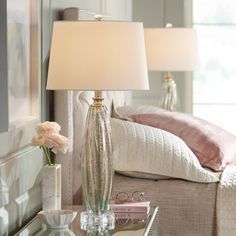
(140,148)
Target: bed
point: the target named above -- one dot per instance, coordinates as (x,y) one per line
(187,207)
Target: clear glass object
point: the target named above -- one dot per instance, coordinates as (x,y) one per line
(97,167)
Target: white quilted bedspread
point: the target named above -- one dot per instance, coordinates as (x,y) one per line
(226,202)
(145,149)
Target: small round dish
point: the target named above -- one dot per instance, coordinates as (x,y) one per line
(57,219)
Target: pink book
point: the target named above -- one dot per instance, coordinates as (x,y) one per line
(131,215)
(141,207)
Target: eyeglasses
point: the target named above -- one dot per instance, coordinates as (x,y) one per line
(122,197)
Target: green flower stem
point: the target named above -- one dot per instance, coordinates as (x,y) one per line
(48,151)
(47,154)
(55,157)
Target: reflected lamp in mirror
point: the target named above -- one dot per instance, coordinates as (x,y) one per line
(171,49)
(97,55)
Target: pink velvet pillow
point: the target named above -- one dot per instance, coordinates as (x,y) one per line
(213,146)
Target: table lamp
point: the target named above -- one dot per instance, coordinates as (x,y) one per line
(171,49)
(97,55)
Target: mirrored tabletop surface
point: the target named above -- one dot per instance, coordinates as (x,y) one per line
(123,227)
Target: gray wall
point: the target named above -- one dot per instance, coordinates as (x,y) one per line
(156,13)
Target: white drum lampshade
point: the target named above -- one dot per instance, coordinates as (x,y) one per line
(171,49)
(97,56)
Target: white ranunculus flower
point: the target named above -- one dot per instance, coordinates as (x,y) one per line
(38,140)
(48,128)
(49,139)
(57,142)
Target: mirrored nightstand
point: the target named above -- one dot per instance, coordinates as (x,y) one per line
(145,227)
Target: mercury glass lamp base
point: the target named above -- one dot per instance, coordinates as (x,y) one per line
(169,98)
(92,222)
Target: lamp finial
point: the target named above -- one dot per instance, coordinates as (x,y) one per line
(169,25)
(98,17)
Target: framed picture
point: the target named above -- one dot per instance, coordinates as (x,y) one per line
(20,76)
(3,68)
(23,59)
(20,62)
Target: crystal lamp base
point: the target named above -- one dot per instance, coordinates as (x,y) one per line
(169,97)
(90,221)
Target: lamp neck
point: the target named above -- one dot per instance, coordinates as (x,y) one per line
(168,76)
(97,99)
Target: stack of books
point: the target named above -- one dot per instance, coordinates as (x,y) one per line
(131,210)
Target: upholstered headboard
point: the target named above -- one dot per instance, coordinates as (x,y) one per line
(70,112)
